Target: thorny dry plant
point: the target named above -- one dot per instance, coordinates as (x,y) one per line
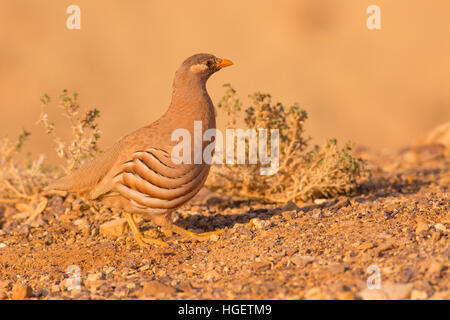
(85,131)
(322,172)
(21,181)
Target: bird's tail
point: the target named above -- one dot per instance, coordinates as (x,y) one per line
(62,184)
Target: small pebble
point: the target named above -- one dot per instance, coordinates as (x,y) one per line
(114,228)
(421,226)
(156,288)
(21,291)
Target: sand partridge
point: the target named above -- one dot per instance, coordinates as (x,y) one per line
(138,174)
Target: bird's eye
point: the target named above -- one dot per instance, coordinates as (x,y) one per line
(209,63)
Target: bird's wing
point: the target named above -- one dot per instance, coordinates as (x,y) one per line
(149,179)
(88,176)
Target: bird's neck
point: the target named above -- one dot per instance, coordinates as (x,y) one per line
(191,100)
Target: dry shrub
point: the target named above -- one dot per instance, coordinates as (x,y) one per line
(320,172)
(21,180)
(85,131)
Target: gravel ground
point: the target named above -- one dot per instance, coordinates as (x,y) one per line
(393,233)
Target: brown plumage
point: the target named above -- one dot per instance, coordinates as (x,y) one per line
(137,174)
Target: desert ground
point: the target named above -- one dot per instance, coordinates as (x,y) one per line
(394,228)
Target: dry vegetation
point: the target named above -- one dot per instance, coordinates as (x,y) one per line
(304,173)
(22,177)
(85,131)
(19,180)
(325,171)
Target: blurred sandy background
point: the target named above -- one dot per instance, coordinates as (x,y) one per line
(378,88)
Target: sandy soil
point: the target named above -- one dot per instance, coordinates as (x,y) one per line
(395,227)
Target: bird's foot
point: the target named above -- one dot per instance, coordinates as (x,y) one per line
(140,239)
(146,242)
(204,236)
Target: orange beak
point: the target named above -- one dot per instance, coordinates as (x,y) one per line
(222,63)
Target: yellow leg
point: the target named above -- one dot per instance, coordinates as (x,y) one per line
(204,236)
(141,240)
